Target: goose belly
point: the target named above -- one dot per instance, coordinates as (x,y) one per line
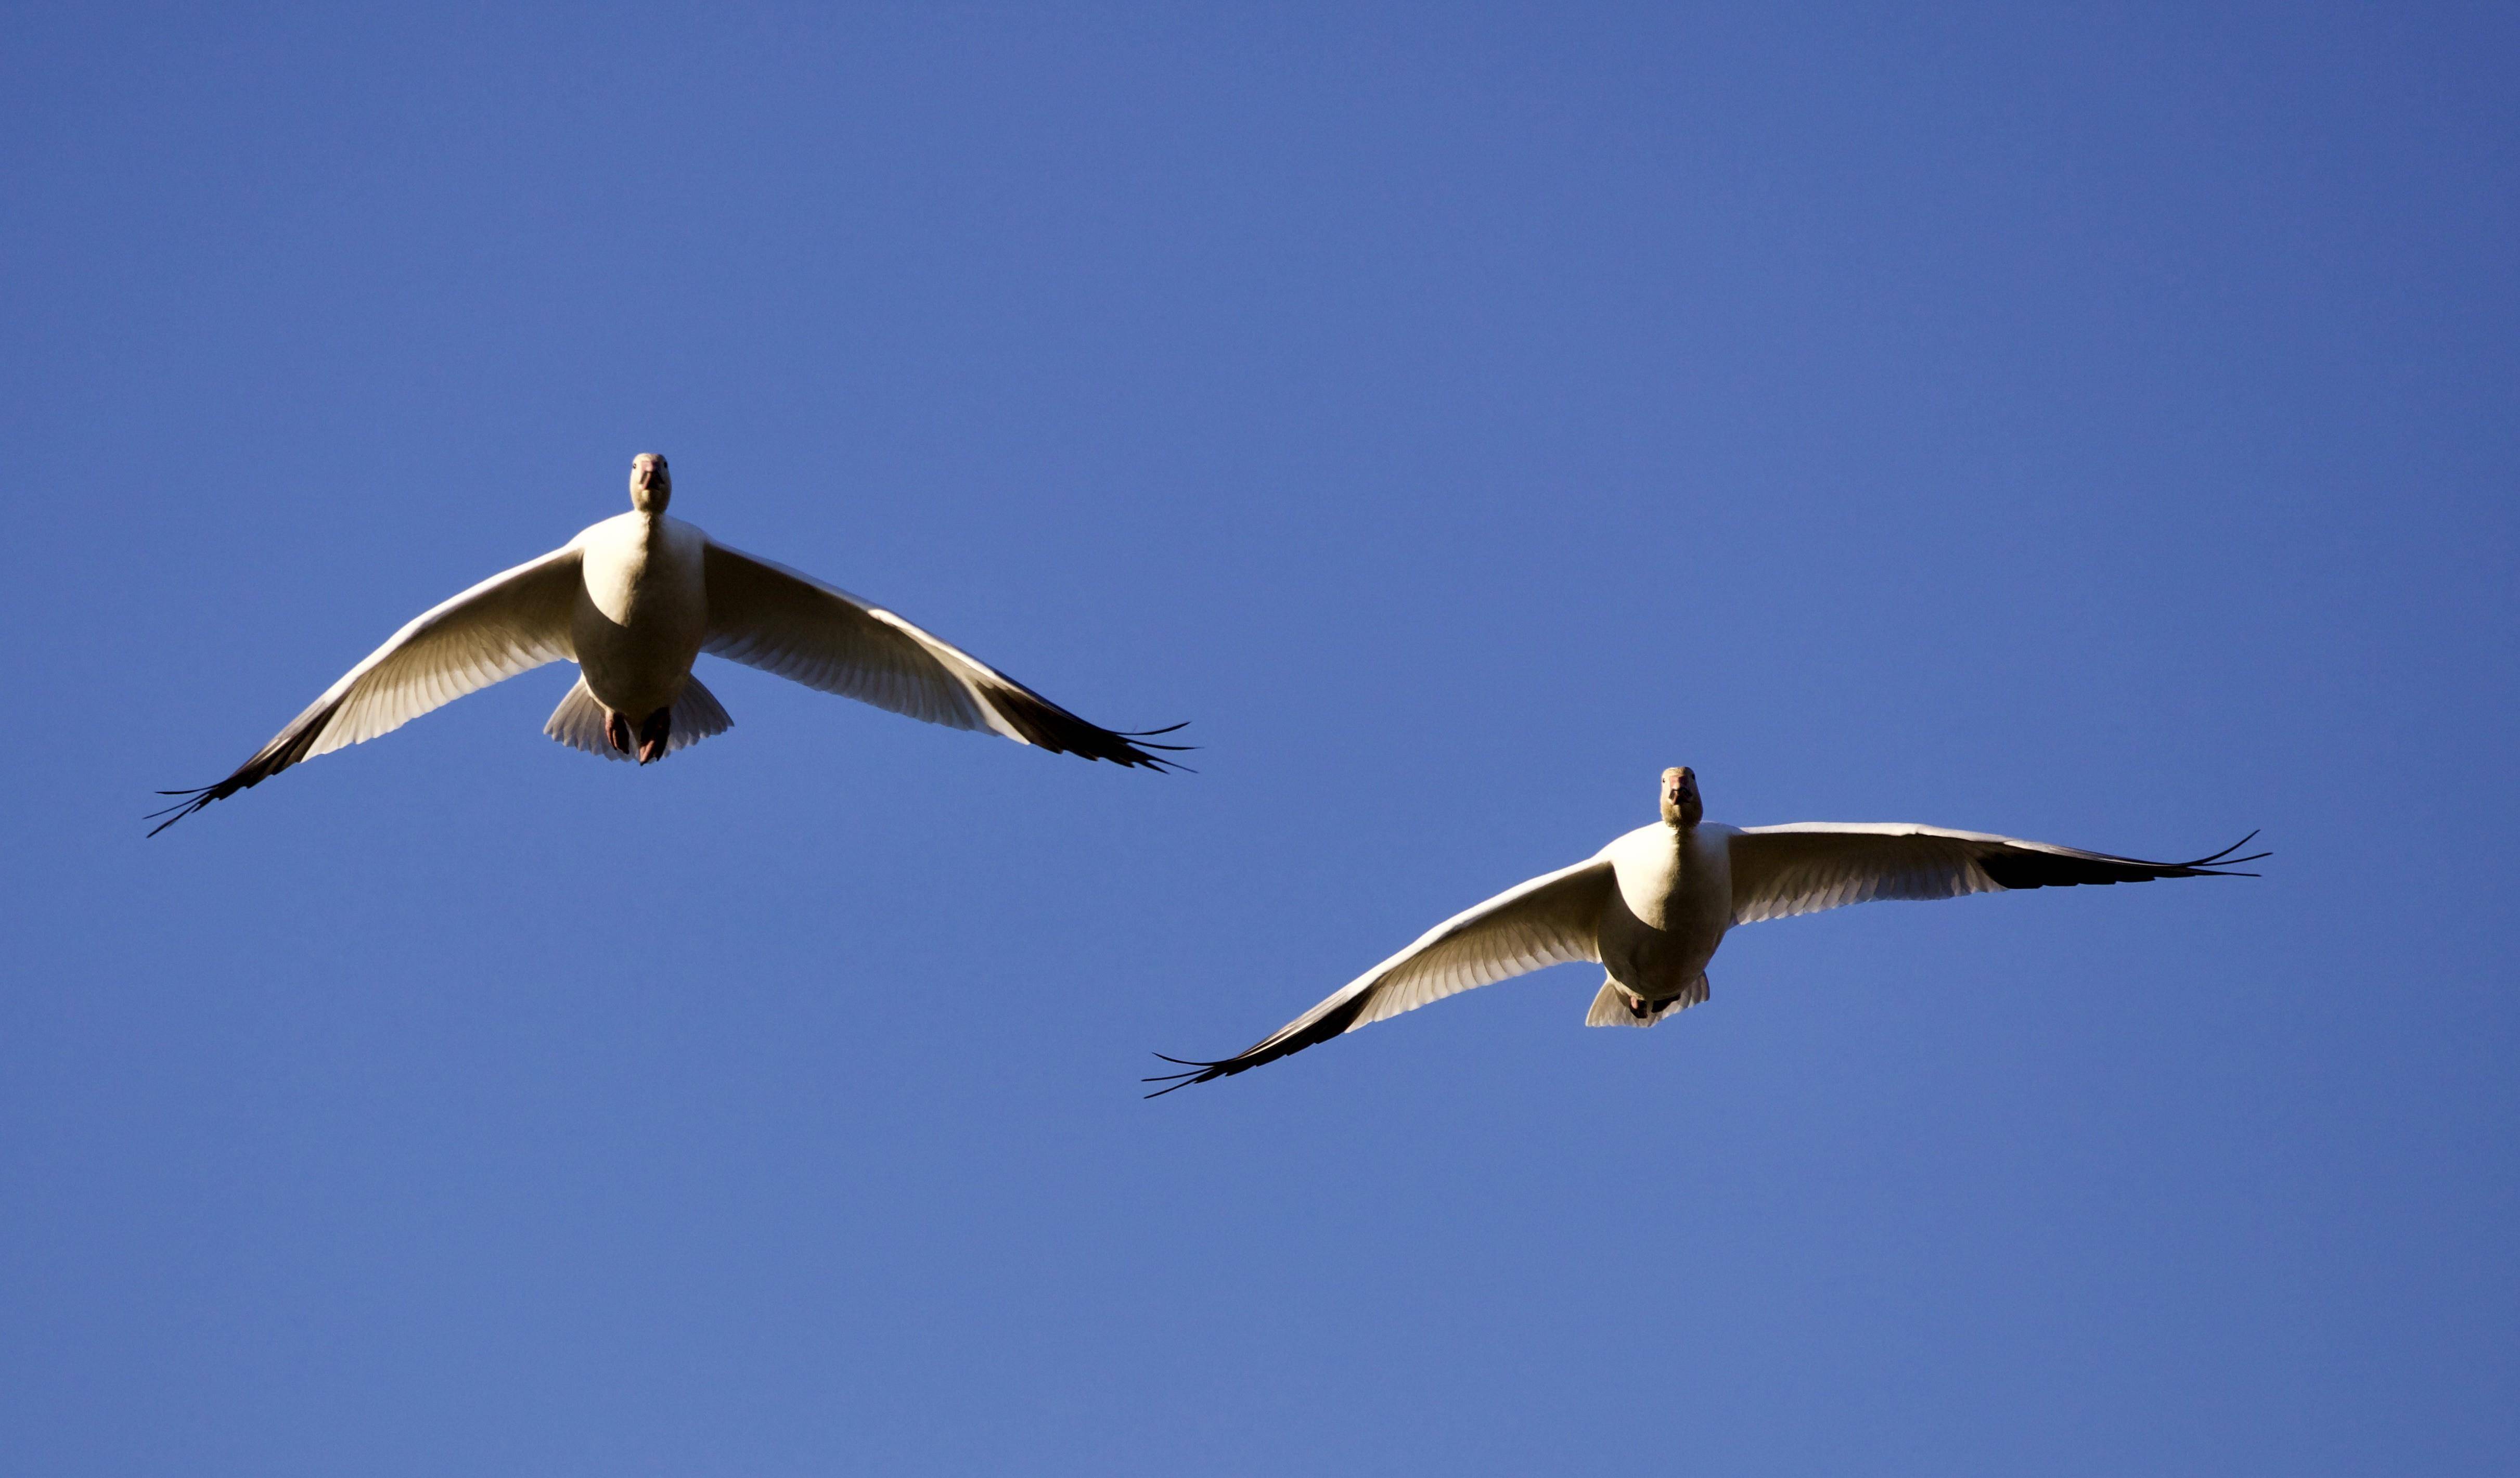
(1671,907)
(641,617)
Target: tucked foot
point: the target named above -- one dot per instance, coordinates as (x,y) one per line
(653,736)
(616,730)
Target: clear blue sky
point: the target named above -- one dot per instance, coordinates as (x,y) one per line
(2098,427)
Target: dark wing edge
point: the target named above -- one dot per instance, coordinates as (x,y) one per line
(1287,1041)
(1047,726)
(887,671)
(291,746)
(2035,867)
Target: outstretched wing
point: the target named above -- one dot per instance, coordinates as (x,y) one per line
(1552,919)
(513,622)
(769,616)
(1806,866)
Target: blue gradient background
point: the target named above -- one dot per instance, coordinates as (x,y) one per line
(2096,425)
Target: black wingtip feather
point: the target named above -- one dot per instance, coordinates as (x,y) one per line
(2219,864)
(1332,1024)
(2021,867)
(199,796)
(290,747)
(1193,1072)
(1045,724)
(1131,747)
(193,800)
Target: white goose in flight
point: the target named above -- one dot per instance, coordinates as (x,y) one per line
(1654,906)
(633,601)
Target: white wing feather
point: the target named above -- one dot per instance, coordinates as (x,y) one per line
(513,622)
(1807,867)
(783,621)
(1553,920)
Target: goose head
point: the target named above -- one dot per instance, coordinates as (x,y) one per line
(1680,806)
(652,488)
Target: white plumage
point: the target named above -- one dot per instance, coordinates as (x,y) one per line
(633,601)
(1654,905)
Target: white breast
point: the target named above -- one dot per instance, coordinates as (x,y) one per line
(637,572)
(1650,873)
(1675,903)
(646,609)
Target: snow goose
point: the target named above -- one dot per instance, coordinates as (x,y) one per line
(1653,907)
(633,601)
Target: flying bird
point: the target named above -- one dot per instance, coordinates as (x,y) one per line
(633,601)
(1653,907)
